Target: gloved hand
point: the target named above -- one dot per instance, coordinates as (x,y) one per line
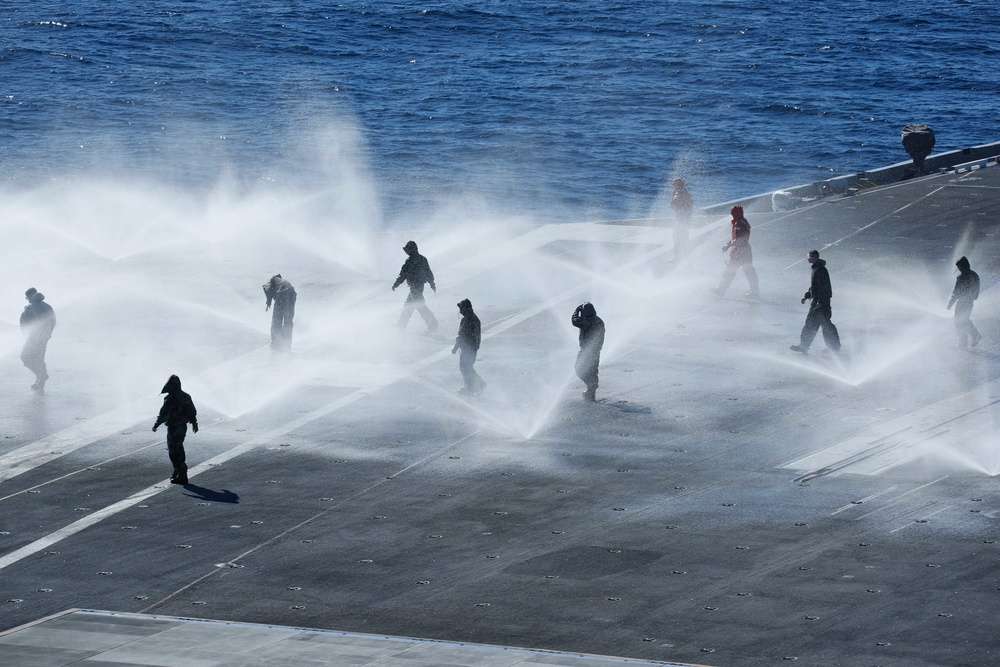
(393,288)
(267,308)
(454,349)
(155,426)
(194,426)
(808,295)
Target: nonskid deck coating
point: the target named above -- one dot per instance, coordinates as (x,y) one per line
(102,639)
(725,502)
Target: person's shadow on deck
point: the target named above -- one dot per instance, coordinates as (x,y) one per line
(201,493)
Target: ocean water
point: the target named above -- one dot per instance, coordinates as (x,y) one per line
(554,110)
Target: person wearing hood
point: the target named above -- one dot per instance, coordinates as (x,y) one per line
(177,412)
(588,359)
(962,297)
(820,312)
(740,255)
(280,292)
(37,322)
(683,204)
(416,271)
(467,342)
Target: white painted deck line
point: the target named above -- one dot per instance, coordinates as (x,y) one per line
(947,423)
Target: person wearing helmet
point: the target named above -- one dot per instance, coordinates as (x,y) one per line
(962,297)
(467,342)
(416,271)
(282,294)
(177,412)
(820,312)
(683,204)
(588,359)
(37,322)
(740,255)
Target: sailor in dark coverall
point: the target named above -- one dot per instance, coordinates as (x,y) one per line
(37,322)
(281,292)
(820,291)
(965,293)
(177,412)
(740,255)
(416,271)
(591,341)
(467,342)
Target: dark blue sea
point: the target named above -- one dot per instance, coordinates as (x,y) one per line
(556,110)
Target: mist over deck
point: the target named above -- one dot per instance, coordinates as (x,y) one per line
(725,502)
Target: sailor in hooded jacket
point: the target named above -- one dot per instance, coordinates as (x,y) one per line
(282,294)
(467,343)
(416,271)
(588,359)
(37,322)
(177,412)
(962,297)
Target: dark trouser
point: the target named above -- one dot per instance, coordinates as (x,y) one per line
(963,323)
(466,361)
(415,300)
(175,447)
(819,316)
(282,315)
(33,358)
(586,368)
(735,262)
(682,239)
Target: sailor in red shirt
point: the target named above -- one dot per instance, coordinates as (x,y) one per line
(740,255)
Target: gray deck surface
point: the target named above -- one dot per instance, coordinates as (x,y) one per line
(725,502)
(104,639)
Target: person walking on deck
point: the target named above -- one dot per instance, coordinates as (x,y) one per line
(820,293)
(740,255)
